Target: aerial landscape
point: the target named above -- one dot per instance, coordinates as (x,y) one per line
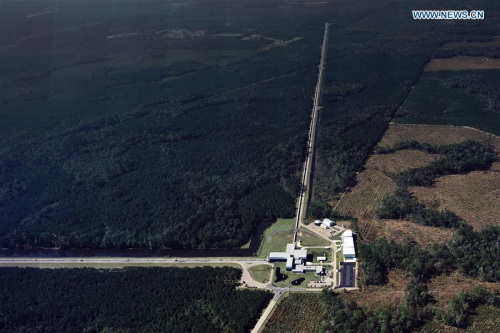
(249,166)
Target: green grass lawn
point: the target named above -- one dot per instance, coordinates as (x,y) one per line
(308,276)
(320,252)
(260,273)
(276,237)
(308,238)
(339,258)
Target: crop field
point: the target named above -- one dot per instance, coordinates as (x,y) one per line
(301,313)
(373,297)
(444,287)
(486,319)
(462,63)
(402,230)
(463,98)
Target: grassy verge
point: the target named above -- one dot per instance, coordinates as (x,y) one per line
(276,237)
(319,252)
(260,273)
(308,238)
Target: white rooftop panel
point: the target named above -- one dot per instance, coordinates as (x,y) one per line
(301,254)
(348,242)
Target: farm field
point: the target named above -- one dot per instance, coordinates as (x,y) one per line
(462,63)
(301,313)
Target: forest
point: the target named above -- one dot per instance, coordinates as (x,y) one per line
(127,300)
(182,149)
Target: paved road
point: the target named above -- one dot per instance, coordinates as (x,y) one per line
(312,135)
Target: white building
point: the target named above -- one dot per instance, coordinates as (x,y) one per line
(328,222)
(295,258)
(348,248)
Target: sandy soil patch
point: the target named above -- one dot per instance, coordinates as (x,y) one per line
(402,230)
(462,63)
(475,197)
(399,161)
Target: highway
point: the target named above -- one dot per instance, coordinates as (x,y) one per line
(312,136)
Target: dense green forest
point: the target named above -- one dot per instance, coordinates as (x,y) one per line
(153,125)
(464,98)
(128,300)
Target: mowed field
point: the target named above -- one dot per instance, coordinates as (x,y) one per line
(299,313)
(462,63)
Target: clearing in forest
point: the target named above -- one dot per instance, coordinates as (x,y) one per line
(375,297)
(475,196)
(455,45)
(424,236)
(462,63)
